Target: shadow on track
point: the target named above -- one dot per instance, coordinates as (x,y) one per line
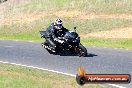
(73,54)
(91,55)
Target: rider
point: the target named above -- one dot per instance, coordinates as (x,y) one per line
(54,32)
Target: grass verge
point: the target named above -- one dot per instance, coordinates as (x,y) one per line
(98,6)
(108,42)
(91,41)
(12,76)
(30,30)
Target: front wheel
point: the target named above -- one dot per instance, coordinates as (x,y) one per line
(82,51)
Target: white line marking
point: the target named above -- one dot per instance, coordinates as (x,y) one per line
(39,68)
(114,85)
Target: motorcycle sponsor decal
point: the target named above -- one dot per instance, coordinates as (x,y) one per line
(82,78)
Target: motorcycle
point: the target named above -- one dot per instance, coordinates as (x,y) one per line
(73,44)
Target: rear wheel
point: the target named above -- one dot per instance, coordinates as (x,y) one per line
(82,51)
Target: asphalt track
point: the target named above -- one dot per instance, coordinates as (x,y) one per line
(99,60)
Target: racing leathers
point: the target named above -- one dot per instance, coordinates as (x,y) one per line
(53,36)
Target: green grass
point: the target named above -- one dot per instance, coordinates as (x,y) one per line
(88,6)
(30,31)
(108,42)
(12,76)
(98,24)
(98,6)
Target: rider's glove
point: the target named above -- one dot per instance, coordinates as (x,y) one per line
(42,36)
(61,41)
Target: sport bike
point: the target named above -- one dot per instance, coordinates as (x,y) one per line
(72,44)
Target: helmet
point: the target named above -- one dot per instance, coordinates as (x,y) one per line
(58,23)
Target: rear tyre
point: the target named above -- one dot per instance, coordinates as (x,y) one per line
(82,51)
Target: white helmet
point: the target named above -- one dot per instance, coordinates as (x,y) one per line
(58,23)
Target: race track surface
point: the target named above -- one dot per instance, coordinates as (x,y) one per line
(99,60)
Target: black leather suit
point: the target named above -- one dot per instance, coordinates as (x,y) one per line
(53,34)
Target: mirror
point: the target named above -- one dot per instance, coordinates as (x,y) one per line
(75,27)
